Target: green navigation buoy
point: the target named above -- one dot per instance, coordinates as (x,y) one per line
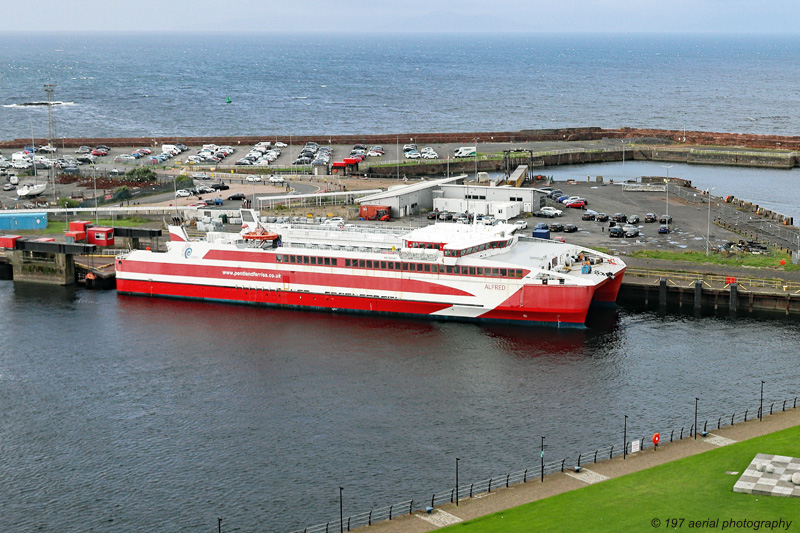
(228,100)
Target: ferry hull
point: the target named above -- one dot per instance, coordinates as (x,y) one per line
(570,310)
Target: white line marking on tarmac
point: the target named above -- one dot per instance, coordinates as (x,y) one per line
(587,476)
(716,440)
(440,518)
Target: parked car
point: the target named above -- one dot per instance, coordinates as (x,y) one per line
(633,219)
(650,217)
(521,224)
(433,214)
(9,186)
(664,229)
(570,228)
(544,214)
(589,215)
(602,217)
(220,186)
(630,231)
(253,179)
(619,217)
(616,231)
(576,204)
(555,194)
(84,150)
(541,225)
(556,226)
(237,196)
(556,212)
(665,219)
(445,215)
(182,193)
(276,179)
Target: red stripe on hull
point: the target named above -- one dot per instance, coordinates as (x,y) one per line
(234,274)
(278,298)
(608,291)
(545,303)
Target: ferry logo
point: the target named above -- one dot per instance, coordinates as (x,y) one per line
(187,252)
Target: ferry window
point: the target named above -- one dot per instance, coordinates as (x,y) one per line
(471,271)
(419,267)
(405,266)
(503,272)
(518,273)
(495,272)
(327,261)
(465,270)
(347,262)
(279,258)
(449,269)
(292,259)
(434,268)
(313,260)
(334,261)
(369,263)
(361,263)
(480,271)
(305,259)
(427,268)
(391,265)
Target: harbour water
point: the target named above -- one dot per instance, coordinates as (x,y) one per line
(125,413)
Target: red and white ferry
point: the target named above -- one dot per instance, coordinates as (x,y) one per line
(447,270)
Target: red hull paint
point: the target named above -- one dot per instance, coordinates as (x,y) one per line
(608,291)
(339,302)
(548,303)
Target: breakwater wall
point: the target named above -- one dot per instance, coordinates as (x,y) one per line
(738,140)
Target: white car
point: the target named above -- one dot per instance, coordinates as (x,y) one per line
(430,155)
(412,155)
(182,193)
(373,153)
(276,179)
(281,145)
(253,179)
(553,210)
(521,224)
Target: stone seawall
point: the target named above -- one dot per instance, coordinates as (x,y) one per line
(738,140)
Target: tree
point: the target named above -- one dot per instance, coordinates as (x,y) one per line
(122,193)
(141,175)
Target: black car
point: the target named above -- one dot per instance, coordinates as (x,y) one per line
(219,187)
(445,215)
(665,219)
(602,217)
(237,196)
(619,217)
(432,215)
(650,217)
(616,231)
(556,193)
(588,216)
(633,219)
(570,228)
(544,214)
(556,226)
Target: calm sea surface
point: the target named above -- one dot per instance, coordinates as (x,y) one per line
(129,414)
(142,85)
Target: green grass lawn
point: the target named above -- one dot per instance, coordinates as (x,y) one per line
(738,259)
(695,488)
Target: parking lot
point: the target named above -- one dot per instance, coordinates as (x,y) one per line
(688,228)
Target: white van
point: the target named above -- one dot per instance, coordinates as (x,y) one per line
(170,149)
(466,151)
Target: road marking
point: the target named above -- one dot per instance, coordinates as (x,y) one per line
(716,440)
(587,476)
(440,518)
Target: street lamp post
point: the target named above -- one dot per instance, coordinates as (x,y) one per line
(457,459)
(476,160)
(761,407)
(667,186)
(542,455)
(696,400)
(397,147)
(625,439)
(341,516)
(708,222)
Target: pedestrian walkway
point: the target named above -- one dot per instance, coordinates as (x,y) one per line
(506,498)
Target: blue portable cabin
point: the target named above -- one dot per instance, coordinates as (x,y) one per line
(541,233)
(20,221)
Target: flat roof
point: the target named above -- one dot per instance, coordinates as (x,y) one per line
(405,189)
